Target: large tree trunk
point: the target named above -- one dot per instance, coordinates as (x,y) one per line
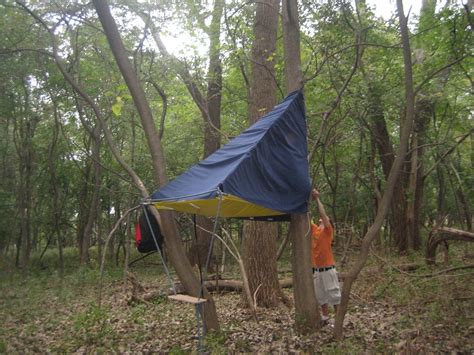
(260,262)
(405,129)
(307,315)
(167,222)
(212,123)
(259,238)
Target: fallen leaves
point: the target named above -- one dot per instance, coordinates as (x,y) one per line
(70,322)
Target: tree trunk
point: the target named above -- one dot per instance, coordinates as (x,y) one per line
(212,123)
(95,198)
(424,110)
(56,195)
(83,210)
(465,215)
(307,316)
(197,253)
(260,260)
(259,238)
(24,131)
(425,107)
(166,221)
(212,139)
(387,157)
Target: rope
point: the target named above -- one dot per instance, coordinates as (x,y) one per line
(159,250)
(141,258)
(198,256)
(209,253)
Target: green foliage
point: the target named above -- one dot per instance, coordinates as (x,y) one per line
(177,351)
(138,311)
(92,327)
(3,347)
(215,341)
(347,346)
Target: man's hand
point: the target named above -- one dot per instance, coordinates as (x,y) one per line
(322,213)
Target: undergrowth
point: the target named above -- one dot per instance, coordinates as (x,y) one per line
(44,311)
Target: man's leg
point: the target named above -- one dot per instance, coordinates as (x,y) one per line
(325,310)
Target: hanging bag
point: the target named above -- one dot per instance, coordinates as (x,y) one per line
(144,237)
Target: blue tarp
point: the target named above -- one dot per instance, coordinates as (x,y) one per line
(265,166)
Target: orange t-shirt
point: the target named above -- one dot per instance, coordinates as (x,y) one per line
(321,250)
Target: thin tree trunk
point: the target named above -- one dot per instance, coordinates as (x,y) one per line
(94,204)
(425,107)
(424,110)
(89,204)
(405,129)
(307,316)
(464,209)
(57,214)
(24,131)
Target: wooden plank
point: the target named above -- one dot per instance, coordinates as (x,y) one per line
(187,298)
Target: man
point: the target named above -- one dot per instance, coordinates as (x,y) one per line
(326,284)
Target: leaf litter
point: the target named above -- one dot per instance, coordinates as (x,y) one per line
(373,324)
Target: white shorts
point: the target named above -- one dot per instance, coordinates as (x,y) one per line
(326,286)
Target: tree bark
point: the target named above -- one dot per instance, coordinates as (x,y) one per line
(259,238)
(55,191)
(307,316)
(387,157)
(212,123)
(424,110)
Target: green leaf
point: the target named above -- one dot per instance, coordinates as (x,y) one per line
(117,107)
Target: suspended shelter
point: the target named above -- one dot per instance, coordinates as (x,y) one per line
(261,174)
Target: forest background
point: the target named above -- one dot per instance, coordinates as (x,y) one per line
(76,156)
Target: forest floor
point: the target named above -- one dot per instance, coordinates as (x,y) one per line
(390,311)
